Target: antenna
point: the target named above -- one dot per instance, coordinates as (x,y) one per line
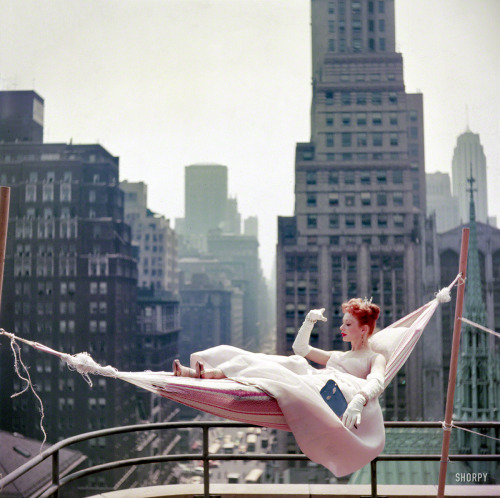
(467,117)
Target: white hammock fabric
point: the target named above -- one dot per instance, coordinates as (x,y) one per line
(247,403)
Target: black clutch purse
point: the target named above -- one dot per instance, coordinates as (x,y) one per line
(334,398)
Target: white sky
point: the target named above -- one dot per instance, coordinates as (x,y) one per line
(167,83)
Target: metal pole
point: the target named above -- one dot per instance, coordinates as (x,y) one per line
(453,364)
(4,222)
(55,473)
(373,469)
(206,468)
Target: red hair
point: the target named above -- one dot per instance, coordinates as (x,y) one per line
(364,311)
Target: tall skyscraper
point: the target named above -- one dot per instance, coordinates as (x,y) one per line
(469,158)
(359,188)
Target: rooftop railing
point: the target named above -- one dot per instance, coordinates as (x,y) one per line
(58,482)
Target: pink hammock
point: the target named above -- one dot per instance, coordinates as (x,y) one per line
(244,403)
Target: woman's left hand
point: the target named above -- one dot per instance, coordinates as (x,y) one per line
(352,414)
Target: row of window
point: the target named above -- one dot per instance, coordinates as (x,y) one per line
(356,7)
(356,26)
(45,266)
(351,221)
(356,44)
(351,177)
(346,97)
(48,193)
(363,199)
(375,139)
(46,228)
(362,119)
(382,240)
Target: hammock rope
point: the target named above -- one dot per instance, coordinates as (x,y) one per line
(482,327)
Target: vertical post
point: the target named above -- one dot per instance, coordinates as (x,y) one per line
(55,473)
(4,223)
(373,479)
(453,363)
(206,468)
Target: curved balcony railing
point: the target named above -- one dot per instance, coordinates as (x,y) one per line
(58,482)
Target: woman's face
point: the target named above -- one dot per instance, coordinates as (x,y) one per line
(351,330)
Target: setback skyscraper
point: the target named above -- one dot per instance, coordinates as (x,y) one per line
(359,188)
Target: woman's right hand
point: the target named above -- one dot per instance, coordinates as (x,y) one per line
(315,315)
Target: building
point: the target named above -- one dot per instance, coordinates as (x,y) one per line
(21,116)
(440,202)
(154,240)
(359,189)
(211,308)
(206,198)
(70,282)
(469,159)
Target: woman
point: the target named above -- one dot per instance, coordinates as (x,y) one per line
(344,444)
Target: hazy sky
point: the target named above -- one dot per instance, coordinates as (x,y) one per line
(167,83)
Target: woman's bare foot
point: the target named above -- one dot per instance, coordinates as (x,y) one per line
(182,371)
(211,373)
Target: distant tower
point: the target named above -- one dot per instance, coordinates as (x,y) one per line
(205,198)
(440,201)
(469,154)
(477,376)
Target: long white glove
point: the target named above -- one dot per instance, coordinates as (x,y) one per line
(372,389)
(301,344)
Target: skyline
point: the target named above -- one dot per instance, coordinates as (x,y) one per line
(229,83)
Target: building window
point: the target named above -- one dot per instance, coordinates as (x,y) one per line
(312,221)
(381,176)
(30,193)
(346,98)
(366,220)
(349,200)
(394,139)
(357,45)
(393,119)
(361,140)
(331,45)
(341,26)
(346,139)
(361,119)
(334,221)
(329,119)
(356,7)
(413,132)
(397,198)
(333,178)
(350,221)
(376,98)
(65,192)
(333,199)
(329,97)
(48,192)
(377,118)
(382,220)
(371,45)
(413,116)
(381,199)
(311,200)
(331,7)
(346,119)
(397,176)
(377,139)
(381,7)
(381,25)
(361,98)
(311,178)
(329,140)
(393,98)
(365,177)
(366,198)
(349,177)
(398,220)
(331,26)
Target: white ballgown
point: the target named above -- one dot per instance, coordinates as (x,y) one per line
(296,385)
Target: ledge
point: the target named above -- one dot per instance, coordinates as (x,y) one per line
(301,490)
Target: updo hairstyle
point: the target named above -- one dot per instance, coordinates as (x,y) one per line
(364,311)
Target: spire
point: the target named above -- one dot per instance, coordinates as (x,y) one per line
(475,399)
(467,118)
